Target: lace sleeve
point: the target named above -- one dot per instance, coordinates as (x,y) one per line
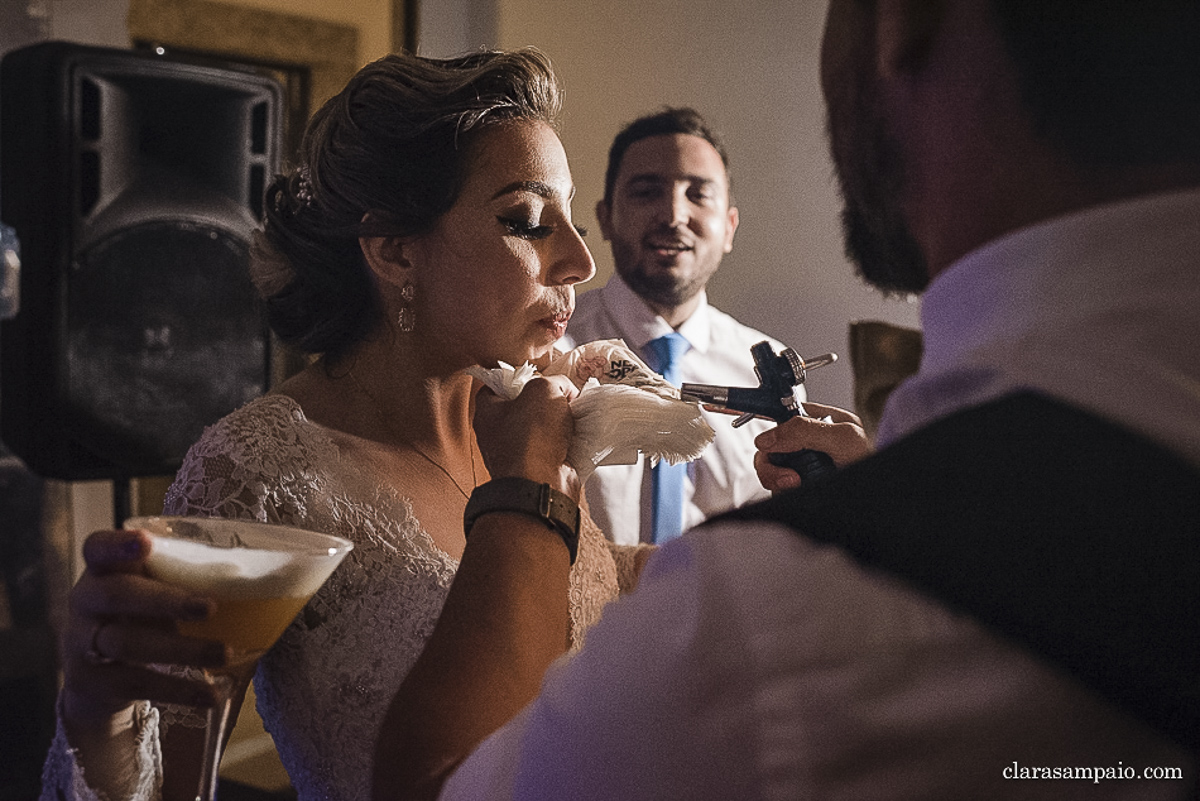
(629,560)
(254,464)
(214,481)
(220,477)
(62,775)
(211,483)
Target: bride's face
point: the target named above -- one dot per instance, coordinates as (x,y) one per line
(497,273)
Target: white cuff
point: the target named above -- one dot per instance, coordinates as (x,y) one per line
(62,775)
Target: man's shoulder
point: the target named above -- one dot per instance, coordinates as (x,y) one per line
(1022,445)
(1056,528)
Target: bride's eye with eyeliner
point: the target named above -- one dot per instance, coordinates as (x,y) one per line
(525,229)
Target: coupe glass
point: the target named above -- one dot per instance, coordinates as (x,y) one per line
(260,575)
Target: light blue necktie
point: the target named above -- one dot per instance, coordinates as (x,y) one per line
(667,484)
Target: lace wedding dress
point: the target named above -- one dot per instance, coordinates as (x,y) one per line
(323,689)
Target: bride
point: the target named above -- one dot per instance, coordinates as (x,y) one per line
(427,229)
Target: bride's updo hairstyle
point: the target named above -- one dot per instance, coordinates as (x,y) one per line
(384,157)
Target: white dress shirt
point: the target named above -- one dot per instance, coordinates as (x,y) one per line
(1100,309)
(723,477)
(754,663)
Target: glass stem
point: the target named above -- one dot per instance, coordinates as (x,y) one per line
(214,737)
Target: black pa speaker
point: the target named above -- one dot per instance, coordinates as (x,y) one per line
(133,181)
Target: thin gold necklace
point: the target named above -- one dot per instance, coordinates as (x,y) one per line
(378,412)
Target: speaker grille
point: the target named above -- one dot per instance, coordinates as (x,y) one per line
(162,339)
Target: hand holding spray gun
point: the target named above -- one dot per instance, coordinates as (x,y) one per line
(774,398)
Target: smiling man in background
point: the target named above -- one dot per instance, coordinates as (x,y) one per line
(668,214)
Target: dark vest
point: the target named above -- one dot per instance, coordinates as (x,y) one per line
(1061,531)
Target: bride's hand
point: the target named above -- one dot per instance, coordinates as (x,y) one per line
(528,436)
(120,620)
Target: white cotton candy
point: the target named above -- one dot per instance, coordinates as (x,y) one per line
(506,381)
(623,407)
(619,419)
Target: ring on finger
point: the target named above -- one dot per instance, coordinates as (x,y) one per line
(93,655)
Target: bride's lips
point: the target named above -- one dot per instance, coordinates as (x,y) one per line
(557,322)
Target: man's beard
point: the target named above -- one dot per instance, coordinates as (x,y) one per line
(870,172)
(663,289)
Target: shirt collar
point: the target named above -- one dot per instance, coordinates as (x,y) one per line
(642,324)
(1096,308)
(1058,273)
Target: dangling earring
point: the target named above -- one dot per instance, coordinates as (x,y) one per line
(407,318)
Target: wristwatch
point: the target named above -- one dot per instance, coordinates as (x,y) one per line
(523,496)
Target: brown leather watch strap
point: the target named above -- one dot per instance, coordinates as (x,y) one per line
(521,495)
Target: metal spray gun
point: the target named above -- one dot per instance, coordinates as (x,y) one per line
(774,398)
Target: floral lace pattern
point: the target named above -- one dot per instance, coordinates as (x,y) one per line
(62,776)
(323,688)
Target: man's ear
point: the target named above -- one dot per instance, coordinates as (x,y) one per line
(731,227)
(386,257)
(905,31)
(604,217)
